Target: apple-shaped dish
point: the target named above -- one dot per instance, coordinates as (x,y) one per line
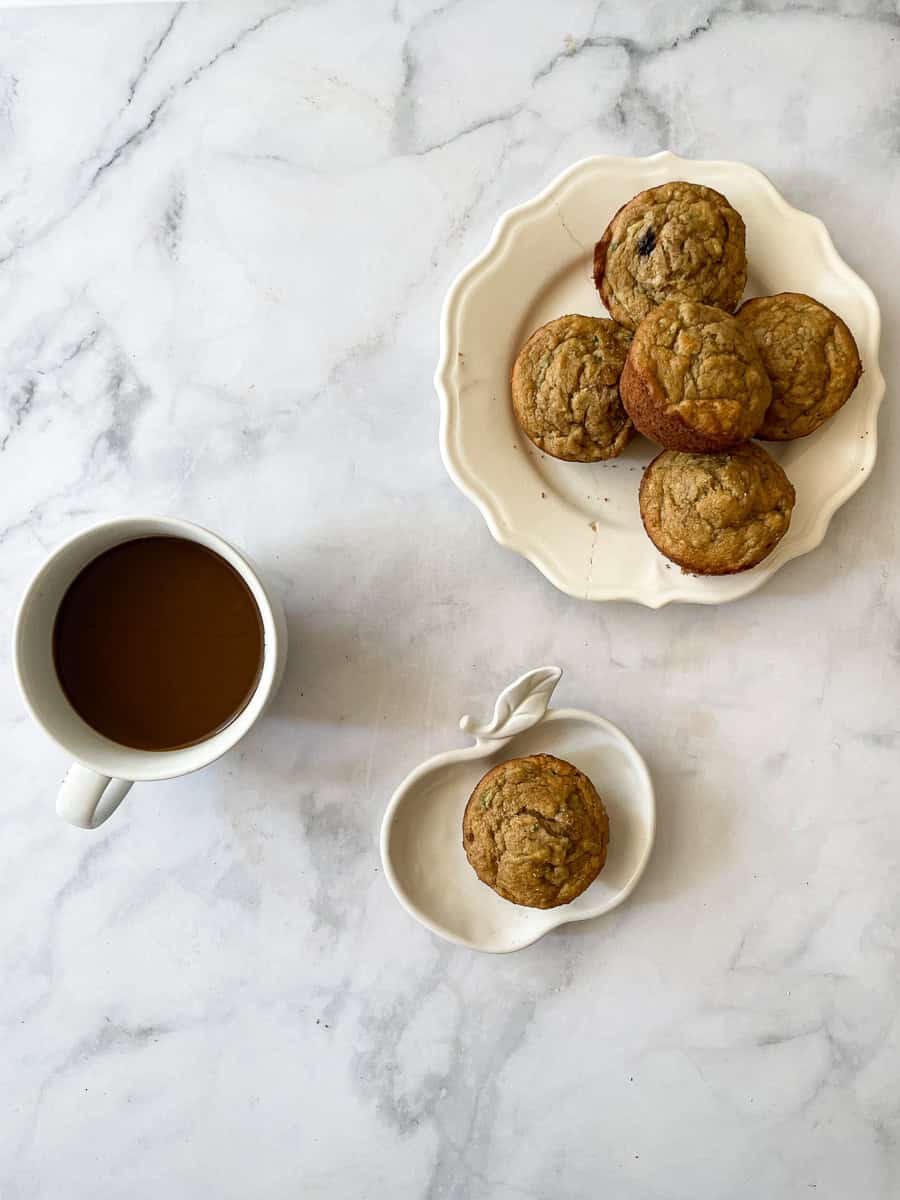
(421,835)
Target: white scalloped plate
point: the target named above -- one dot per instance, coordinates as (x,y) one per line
(579,523)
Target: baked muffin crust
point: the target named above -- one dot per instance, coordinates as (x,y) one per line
(693,379)
(565,388)
(536,831)
(716,514)
(811,359)
(677,241)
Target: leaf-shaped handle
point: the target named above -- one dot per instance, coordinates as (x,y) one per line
(518,707)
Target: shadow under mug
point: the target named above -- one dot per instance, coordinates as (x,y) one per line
(104,770)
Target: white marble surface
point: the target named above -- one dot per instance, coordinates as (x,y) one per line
(225,232)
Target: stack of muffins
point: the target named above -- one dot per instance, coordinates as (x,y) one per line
(675,365)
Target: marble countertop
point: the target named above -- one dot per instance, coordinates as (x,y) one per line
(225,234)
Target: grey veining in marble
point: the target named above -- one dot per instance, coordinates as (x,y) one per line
(225,233)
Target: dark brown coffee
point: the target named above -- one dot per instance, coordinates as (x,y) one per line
(158,643)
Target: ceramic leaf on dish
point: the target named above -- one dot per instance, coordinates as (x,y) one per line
(421,835)
(580,523)
(518,707)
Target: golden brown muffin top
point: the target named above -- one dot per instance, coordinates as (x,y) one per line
(536,831)
(703,367)
(565,388)
(716,514)
(677,241)
(810,356)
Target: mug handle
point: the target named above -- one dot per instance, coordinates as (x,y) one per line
(86,799)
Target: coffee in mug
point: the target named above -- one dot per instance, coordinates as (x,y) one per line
(145,647)
(158,643)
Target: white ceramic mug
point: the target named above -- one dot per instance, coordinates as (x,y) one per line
(103,770)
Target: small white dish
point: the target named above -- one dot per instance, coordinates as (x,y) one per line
(421,835)
(579,523)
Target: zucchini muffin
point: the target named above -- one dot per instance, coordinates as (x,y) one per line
(716,514)
(693,379)
(536,831)
(565,388)
(679,241)
(810,356)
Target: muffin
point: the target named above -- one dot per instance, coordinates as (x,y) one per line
(565,388)
(811,359)
(679,241)
(716,514)
(536,831)
(693,379)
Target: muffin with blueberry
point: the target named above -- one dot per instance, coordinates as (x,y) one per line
(678,241)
